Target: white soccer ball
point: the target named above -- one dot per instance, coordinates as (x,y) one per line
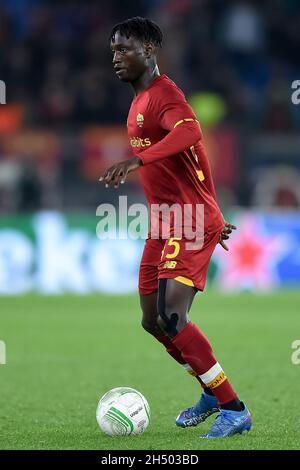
(123,411)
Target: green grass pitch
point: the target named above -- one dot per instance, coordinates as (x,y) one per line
(64,352)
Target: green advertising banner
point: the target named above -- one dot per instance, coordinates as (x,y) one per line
(53,253)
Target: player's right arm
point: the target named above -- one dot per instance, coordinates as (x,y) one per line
(180,138)
(117,173)
(174,115)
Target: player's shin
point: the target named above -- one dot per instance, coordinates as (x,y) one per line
(176,354)
(196,350)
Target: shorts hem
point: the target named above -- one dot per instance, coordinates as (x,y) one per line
(147,291)
(197,286)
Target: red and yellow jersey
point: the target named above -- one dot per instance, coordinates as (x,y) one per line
(164,132)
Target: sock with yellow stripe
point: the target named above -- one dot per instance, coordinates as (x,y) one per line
(196,351)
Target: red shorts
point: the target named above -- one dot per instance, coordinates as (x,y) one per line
(170,259)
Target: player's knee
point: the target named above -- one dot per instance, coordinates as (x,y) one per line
(162,324)
(171,325)
(172,316)
(149,326)
(172,321)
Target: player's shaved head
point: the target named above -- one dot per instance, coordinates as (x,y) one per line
(142,29)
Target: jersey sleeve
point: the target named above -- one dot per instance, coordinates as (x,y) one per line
(176,116)
(172,109)
(176,141)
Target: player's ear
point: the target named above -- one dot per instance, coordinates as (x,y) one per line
(149,49)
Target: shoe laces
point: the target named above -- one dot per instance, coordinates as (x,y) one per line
(223,419)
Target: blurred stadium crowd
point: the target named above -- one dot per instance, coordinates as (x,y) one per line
(65,116)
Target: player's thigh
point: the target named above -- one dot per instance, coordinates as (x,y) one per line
(174,302)
(148,283)
(178,296)
(148,272)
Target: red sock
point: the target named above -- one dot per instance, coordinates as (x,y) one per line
(176,354)
(196,350)
(171,349)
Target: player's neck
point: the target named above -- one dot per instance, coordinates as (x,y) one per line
(144,80)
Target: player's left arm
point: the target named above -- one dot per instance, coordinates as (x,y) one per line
(227,230)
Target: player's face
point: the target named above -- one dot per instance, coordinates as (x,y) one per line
(129,58)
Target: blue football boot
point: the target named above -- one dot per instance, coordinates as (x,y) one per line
(206,406)
(229,422)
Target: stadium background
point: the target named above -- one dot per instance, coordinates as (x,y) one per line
(64,122)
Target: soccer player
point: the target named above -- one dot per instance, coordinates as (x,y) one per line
(168,152)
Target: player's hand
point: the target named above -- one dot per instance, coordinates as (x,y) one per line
(227,229)
(117,173)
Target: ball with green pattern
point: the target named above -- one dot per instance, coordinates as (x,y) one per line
(123,411)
